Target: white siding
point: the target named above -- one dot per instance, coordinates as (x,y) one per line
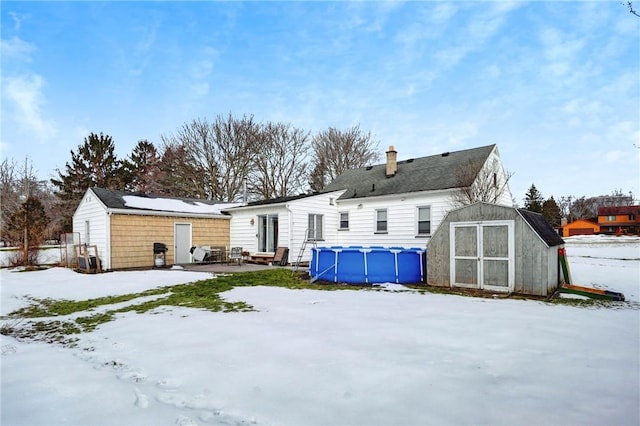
(494,165)
(244,226)
(402,219)
(323,204)
(93,211)
(292,223)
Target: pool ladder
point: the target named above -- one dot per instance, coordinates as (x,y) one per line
(303,247)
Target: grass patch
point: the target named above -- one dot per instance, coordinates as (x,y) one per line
(204,294)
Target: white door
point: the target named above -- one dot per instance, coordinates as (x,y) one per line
(482,255)
(182,243)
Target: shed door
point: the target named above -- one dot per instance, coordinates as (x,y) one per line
(482,255)
(182,243)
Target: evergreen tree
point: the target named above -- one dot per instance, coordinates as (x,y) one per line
(143,168)
(179,176)
(551,212)
(28,225)
(94,165)
(533,200)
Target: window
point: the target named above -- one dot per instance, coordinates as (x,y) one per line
(381,220)
(87,228)
(610,218)
(315,227)
(632,217)
(424,220)
(344,220)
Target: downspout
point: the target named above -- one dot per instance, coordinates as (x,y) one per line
(290,236)
(108,242)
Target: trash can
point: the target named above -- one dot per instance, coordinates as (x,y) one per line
(159,254)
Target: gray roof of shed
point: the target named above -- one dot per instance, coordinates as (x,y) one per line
(435,172)
(114,199)
(542,228)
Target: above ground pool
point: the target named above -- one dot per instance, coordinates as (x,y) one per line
(361,265)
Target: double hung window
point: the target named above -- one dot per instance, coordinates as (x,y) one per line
(381,220)
(424,220)
(315,227)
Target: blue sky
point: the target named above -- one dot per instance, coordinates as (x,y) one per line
(556,85)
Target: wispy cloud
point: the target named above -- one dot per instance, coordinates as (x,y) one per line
(16,49)
(24,94)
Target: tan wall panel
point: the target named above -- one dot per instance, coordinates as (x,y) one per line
(132,237)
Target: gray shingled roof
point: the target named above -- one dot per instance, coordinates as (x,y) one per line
(430,173)
(113,199)
(542,228)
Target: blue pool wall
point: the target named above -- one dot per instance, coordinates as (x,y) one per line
(368,265)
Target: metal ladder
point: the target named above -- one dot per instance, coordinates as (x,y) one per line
(303,247)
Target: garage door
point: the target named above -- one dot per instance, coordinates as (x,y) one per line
(482,255)
(580,231)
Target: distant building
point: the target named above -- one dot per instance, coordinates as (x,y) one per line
(580,227)
(619,220)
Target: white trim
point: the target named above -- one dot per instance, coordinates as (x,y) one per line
(375,220)
(175,241)
(340,213)
(417,220)
(479,225)
(168,213)
(108,241)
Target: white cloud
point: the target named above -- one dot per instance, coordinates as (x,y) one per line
(17,20)
(612,156)
(24,93)
(16,49)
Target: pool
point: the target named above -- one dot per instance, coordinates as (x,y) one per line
(361,265)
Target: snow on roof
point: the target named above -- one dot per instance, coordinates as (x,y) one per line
(173,205)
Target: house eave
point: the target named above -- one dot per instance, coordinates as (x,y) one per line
(142,212)
(397,195)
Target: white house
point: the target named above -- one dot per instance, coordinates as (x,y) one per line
(262,226)
(397,203)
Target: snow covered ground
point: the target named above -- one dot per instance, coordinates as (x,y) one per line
(327,357)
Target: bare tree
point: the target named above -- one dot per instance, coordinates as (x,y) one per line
(219,153)
(565,206)
(9,195)
(335,151)
(582,208)
(238,145)
(477,182)
(632,11)
(281,164)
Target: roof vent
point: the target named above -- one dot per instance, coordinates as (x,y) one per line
(410,160)
(373,187)
(369,167)
(445,154)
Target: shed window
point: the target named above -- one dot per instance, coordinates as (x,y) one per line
(424,220)
(381,220)
(344,220)
(315,227)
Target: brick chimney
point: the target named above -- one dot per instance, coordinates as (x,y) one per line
(392,162)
